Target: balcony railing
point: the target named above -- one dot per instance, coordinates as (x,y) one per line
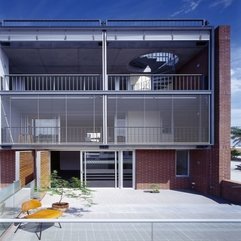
(97,23)
(52,82)
(128,229)
(128,82)
(116,135)
(157,23)
(157,82)
(50,23)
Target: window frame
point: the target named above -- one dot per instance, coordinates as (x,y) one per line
(188,164)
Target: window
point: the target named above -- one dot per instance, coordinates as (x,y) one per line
(182,163)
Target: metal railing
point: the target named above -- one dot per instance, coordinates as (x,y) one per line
(50,23)
(116,135)
(128,82)
(128,229)
(105,23)
(42,135)
(157,82)
(157,23)
(157,135)
(53,82)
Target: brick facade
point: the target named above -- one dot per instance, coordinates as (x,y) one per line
(200,169)
(231,191)
(7,167)
(44,169)
(209,167)
(158,167)
(26,167)
(220,153)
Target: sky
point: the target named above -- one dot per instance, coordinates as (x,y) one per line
(217,12)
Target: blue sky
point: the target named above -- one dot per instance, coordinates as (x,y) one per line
(217,12)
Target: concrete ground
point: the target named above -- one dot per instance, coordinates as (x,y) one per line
(133,205)
(138,204)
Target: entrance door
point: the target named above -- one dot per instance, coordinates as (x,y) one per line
(107,169)
(100,169)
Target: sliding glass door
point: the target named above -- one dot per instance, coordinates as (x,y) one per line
(107,169)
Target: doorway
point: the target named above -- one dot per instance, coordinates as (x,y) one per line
(107,169)
(66,163)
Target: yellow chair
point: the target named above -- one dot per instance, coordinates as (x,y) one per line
(33,204)
(30,205)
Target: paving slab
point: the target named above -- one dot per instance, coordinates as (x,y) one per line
(129,204)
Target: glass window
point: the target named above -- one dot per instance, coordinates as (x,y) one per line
(182,163)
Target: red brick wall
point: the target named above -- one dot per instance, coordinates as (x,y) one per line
(220,168)
(158,167)
(210,167)
(7,166)
(26,167)
(200,171)
(231,191)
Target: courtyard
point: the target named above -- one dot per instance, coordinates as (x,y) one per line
(127,214)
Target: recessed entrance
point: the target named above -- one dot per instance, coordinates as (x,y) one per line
(97,169)
(67,163)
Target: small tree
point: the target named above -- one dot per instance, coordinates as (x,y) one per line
(236,136)
(235,153)
(73,188)
(58,185)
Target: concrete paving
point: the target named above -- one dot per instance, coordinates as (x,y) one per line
(132,205)
(138,204)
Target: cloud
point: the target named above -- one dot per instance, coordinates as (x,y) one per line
(236,70)
(187,7)
(236,80)
(236,86)
(222,3)
(236,117)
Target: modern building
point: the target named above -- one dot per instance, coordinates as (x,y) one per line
(118,103)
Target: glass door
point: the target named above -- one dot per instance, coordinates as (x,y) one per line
(107,169)
(99,169)
(127,169)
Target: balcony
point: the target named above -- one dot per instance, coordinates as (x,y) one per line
(138,119)
(85,82)
(118,135)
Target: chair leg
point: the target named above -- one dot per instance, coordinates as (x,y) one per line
(60,225)
(19,225)
(40,231)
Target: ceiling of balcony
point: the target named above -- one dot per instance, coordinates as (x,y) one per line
(86,57)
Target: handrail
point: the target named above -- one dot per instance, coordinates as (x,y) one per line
(130,135)
(105,23)
(23,75)
(50,23)
(157,22)
(89,82)
(149,227)
(78,220)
